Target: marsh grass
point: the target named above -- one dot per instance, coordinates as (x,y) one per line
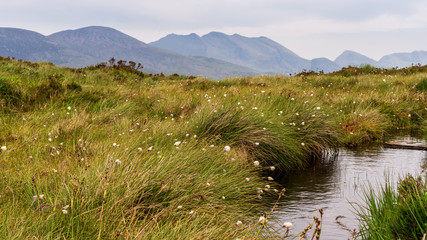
(391,214)
(100,153)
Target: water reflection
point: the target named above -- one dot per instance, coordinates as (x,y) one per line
(332,183)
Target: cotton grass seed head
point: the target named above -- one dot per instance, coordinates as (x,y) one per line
(227,148)
(262,220)
(287,224)
(3,148)
(256,163)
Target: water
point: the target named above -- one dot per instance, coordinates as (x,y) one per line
(335,182)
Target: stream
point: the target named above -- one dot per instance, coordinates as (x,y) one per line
(334,182)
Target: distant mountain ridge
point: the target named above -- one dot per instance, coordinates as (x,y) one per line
(215,55)
(265,55)
(92,45)
(258,53)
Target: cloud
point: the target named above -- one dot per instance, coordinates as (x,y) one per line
(169,14)
(293,22)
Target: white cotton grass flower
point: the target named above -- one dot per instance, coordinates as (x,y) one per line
(140,149)
(65,209)
(118,162)
(177,143)
(179,207)
(150,148)
(267,186)
(40,197)
(287,224)
(270,179)
(247,179)
(256,163)
(3,148)
(272,168)
(69,108)
(191,212)
(227,148)
(303,144)
(238,223)
(262,220)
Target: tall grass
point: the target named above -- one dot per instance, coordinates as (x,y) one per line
(392,214)
(99,153)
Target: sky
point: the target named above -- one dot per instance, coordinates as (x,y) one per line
(310,28)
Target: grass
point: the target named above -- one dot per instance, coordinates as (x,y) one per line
(392,214)
(106,153)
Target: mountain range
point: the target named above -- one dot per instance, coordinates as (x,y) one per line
(215,55)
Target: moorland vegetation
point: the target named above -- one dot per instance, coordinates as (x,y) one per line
(108,152)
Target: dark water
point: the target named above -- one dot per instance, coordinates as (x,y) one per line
(335,182)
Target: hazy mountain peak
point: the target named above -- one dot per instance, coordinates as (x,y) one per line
(404,59)
(92,34)
(352,58)
(215,34)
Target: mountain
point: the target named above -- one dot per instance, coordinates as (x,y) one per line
(324,64)
(258,53)
(215,55)
(33,46)
(92,45)
(350,58)
(404,59)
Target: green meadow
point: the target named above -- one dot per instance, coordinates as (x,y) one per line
(109,152)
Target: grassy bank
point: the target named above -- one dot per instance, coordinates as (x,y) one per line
(109,152)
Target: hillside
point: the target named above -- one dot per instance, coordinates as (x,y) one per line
(323,64)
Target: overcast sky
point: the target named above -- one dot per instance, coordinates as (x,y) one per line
(310,28)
